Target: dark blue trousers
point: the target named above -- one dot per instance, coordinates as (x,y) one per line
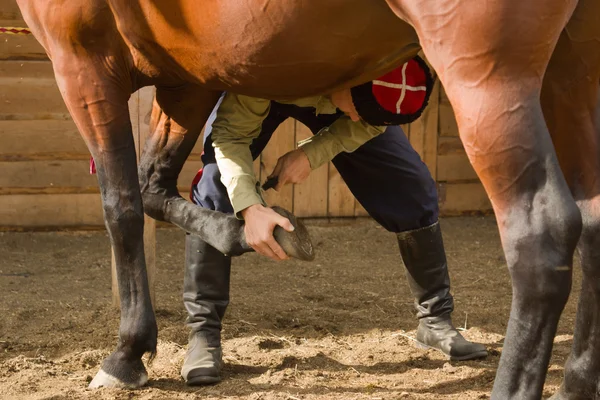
(386,175)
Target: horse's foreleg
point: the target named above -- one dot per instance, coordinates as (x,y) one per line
(491,60)
(570,99)
(97,99)
(178,116)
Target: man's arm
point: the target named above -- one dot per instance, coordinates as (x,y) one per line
(344,135)
(238,122)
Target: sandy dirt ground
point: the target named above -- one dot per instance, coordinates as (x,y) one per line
(338,328)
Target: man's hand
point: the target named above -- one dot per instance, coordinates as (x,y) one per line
(260,223)
(292,167)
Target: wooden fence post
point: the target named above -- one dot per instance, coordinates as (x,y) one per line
(140,106)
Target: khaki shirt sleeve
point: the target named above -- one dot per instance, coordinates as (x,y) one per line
(238,121)
(344,135)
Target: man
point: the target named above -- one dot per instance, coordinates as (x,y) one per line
(377,163)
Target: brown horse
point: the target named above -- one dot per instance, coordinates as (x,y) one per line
(496,59)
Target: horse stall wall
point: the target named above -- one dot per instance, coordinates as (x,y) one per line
(44,163)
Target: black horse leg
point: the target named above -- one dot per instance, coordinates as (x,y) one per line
(97,99)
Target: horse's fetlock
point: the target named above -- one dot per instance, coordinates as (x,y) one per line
(134,344)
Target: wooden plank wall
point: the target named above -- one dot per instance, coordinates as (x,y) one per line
(44,178)
(43,161)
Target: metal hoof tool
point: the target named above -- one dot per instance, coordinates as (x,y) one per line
(270,183)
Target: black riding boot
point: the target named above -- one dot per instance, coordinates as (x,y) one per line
(423,254)
(205,296)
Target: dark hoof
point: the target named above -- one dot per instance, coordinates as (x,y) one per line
(296,244)
(119,372)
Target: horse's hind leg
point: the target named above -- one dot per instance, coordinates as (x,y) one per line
(96,97)
(582,370)
(491,60)
(569,98)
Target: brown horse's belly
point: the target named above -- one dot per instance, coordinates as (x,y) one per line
(287,49)
(287,76)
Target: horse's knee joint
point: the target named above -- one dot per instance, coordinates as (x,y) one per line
(540,252)
(124,220)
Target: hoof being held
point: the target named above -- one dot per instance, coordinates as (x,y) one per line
(102,379)
(296,244)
